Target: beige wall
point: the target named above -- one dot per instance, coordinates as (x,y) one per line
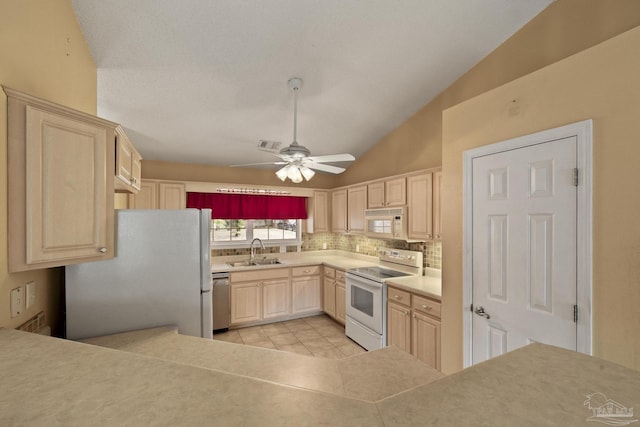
(44,54)
(154,169)
(564,28)
(602,84)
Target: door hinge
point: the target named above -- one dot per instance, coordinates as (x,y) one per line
(576,175)
(575,314)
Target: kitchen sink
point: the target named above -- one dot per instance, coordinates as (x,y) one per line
(255,262)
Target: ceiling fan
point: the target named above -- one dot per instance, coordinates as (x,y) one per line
(297,159)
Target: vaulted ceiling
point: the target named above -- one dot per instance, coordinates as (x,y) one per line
(203,81)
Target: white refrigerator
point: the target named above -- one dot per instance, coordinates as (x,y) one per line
(161,275)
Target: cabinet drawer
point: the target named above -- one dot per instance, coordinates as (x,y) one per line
(427,306)
(259,274)
(339,276)
(330,272)
(309,270)
(398,296)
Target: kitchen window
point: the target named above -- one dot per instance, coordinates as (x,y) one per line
(227,233)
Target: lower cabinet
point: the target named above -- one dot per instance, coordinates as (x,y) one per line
(275,298)
(246,302)
(265,295)
(305,290)
(334,294)
(413,325)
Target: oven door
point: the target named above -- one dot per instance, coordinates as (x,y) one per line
(365,302)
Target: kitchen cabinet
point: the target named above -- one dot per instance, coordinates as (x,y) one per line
(329,291)
(334,294)
(258,294)
(339,211)
(159,195)
(437,217)
(392,192)
(275,298)
(356,204)
(305,290)
(60,165)
(246,302)
(420,206)
(341,302)
(320,214)
(128,164)
(413,325)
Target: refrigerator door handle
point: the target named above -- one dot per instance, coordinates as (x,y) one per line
(207,291)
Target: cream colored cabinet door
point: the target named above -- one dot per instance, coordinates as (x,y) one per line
(329,296)
(147,197)
(136,170)
(395,191)
(425,339)
(375,195)
(399,326)
(341,302)
(275,298)
(172,196)
(437,199)
(339,211)
(320,220)
(356,204)
(69,199)
(246,302)
(420,209)
(305,294)
(124,156)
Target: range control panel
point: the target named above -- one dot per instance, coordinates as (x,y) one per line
(401,256)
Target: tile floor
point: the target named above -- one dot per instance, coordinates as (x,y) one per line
(318,336)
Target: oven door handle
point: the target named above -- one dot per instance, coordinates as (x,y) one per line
(364,283)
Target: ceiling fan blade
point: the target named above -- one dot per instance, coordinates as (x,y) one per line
(257,164)
(332,158)
(324,168)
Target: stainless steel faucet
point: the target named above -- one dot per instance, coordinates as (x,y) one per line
(252,248)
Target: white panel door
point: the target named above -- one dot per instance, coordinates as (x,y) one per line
(524,248)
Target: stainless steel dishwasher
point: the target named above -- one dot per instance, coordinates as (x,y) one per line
(220,300)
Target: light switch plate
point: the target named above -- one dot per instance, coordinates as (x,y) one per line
(17,301)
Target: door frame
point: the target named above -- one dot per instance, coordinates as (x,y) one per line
(583,131)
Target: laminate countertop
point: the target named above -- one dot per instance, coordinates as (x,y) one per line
(48,381)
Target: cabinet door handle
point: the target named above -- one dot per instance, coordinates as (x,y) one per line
(426,307)
(102,250)
(397,297)
(405,313)
(414,316)
(428,236)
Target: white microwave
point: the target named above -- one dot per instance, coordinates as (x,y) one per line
(387,223)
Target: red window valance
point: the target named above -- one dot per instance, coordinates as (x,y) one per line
(245,206)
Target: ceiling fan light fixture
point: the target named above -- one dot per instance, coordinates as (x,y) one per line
(306,172)
(294,174)
(282,173)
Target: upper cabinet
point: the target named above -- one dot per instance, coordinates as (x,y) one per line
(60,184)
(159,195)
(356,204)
(319,215)
(420,206)
(339,211)
(437,217)
(392,192)
(128,164)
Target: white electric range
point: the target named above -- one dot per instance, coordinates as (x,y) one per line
(366,295)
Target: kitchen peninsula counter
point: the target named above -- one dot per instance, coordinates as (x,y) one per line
(48,381)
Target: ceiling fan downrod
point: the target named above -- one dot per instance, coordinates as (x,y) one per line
(295,84)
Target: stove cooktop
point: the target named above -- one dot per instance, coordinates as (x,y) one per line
(378,274)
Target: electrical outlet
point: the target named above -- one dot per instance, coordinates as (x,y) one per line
(357,248)
(31,294)
(17,301)
(324,245)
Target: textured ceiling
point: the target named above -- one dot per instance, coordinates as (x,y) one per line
(202,81)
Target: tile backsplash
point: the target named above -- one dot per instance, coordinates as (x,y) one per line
(364,245)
